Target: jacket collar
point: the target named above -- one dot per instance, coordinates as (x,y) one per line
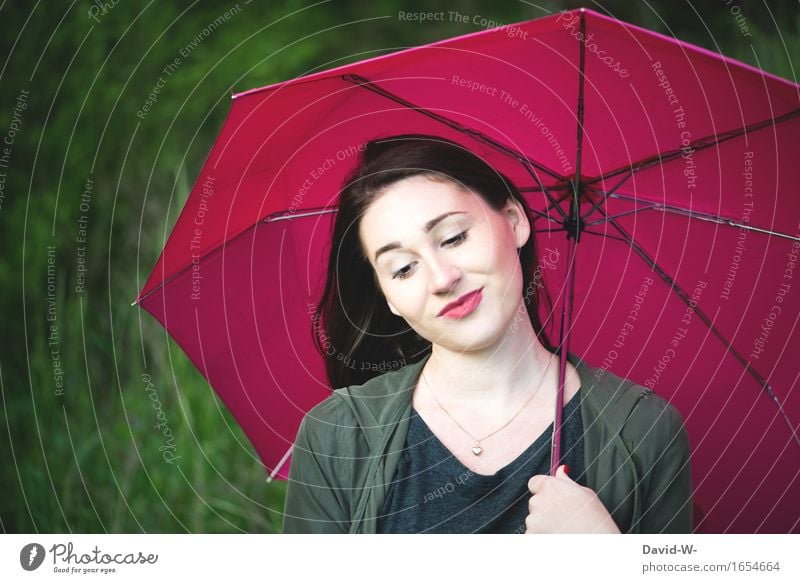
(385,399)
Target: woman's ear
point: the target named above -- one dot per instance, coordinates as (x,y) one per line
(519,222)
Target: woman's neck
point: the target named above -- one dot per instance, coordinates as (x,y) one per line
(498,378)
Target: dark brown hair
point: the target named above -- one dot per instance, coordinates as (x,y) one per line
(355,331)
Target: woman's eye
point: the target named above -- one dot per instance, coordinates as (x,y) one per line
(457,240)
(402,273)
(405,271)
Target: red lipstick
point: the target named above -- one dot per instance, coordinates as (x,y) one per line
(463,306)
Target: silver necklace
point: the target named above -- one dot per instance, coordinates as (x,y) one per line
(477,449)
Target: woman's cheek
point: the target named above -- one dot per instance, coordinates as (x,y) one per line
(418,303)
(406,299)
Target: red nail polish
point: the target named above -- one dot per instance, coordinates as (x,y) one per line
(566,469)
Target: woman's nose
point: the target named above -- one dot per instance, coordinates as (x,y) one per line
(444,275)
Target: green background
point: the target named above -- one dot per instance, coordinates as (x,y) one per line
(89,460)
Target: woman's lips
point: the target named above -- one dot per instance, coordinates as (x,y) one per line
(463,306)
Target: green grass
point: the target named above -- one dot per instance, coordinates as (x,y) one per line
(90,462)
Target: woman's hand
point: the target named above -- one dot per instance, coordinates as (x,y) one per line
(561,505)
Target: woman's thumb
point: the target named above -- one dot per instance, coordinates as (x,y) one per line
(563,471)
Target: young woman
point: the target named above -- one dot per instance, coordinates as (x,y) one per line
(433,259)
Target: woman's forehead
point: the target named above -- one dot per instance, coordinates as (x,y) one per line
(412,208)
(418,199)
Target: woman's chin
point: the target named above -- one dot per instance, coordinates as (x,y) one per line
(473,333)
(469,340)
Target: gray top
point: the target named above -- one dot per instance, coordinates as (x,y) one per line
(433,492)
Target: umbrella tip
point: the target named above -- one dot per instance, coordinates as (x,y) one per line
(134,302)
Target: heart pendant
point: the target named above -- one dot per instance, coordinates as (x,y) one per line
(477,450)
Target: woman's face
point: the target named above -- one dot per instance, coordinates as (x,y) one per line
(436,242)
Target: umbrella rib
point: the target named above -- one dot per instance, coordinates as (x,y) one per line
(278,216)
(685,298)
(375,88)
(669,156)
(542,215)
(606,235)
(553,204)
(551,189)
(288,215)
(282,461)
(699,144)
(605,196)
(692,215)
(623,214)
(475,134)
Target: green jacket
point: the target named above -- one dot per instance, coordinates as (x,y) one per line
(348,447)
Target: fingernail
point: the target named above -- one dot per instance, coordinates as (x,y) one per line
(566,469)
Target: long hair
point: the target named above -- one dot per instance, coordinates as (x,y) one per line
(354,330)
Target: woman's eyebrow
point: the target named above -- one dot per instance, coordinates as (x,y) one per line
(426,229)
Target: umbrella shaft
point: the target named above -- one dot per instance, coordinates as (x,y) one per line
(566,319)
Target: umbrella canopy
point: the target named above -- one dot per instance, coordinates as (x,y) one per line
(681,164)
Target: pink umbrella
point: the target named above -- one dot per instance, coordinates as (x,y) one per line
(663,181)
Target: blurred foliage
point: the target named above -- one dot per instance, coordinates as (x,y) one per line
(89,460)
